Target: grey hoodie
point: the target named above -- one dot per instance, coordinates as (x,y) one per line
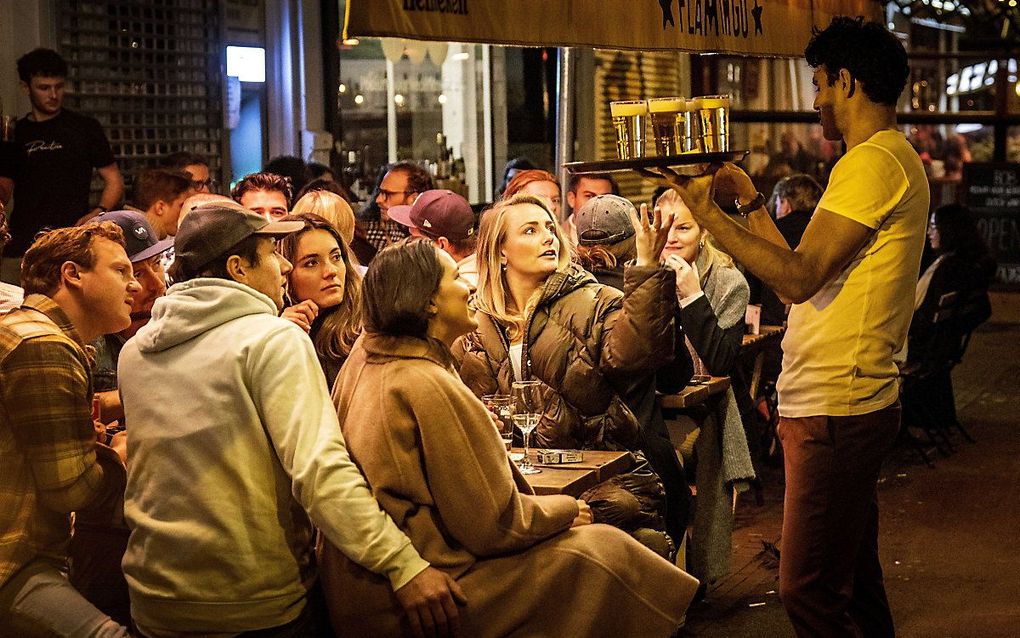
(234,445)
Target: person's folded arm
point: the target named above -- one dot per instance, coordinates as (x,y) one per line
(469,476)
(304,430)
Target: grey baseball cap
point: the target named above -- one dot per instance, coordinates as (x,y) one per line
(604,219)
(139,239)
(209,231)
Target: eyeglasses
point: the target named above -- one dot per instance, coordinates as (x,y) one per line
(199,183)
(389,194)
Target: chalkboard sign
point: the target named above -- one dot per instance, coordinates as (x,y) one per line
(992,191)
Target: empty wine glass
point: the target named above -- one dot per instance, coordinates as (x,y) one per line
(527,406)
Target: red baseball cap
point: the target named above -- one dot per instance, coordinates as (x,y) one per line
(437,213)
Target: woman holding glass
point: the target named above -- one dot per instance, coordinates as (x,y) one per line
(323,290)
(543,318)
(436,463)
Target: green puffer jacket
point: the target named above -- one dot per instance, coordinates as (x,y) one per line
(589,344)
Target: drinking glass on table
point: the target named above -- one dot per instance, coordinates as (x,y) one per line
(501,406)
(527,407)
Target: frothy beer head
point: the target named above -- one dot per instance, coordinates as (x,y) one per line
(627,109)
(666,105)
(715,102)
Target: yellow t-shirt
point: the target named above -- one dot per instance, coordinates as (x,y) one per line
(838,350)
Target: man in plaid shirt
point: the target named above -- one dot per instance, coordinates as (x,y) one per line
(78,285)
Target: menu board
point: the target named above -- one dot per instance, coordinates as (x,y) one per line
(992,191)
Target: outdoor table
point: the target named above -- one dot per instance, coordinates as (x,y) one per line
(694,394)
(756,345)
(574,478)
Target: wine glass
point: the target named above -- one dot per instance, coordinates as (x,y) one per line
(527,406)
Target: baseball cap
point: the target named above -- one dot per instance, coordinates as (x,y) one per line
(604,219)
(139,239)
(437,213)
(212,229)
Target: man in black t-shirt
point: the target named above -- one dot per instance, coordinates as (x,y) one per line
(56,152)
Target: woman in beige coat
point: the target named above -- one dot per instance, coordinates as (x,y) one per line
(528,565)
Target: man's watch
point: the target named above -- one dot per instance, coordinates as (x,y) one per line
(751,206)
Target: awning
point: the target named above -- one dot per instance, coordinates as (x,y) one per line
(778,28)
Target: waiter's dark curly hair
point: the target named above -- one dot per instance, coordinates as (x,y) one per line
(867,50)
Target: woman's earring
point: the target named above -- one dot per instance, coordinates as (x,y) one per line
(701,245)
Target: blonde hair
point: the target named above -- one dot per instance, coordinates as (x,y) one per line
(671,200)
(331,207)
(492,295)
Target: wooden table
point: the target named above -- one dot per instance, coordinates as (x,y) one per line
(755,345)
(694,394)
(575,478)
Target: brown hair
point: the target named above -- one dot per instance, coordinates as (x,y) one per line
(418,179)
(40,268)
(156,184)
(340,329)
(524,178)
(262,182)
(5,235)
(401,309)
(606,256)
(492,294)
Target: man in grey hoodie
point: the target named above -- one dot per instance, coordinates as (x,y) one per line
(236,452)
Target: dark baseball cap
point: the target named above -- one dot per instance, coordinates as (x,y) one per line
(437,213)
(210,230)
(139,238)
(604,219)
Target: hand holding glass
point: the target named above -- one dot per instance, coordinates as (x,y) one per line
(500,405)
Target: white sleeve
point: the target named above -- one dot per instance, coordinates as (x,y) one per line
(289,390)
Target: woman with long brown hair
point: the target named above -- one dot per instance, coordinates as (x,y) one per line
(324,290)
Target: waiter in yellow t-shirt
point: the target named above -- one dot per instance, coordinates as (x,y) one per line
(851,281)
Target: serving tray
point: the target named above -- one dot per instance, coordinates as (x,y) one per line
(669,161)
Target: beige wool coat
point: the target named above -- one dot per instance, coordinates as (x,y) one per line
(438,467)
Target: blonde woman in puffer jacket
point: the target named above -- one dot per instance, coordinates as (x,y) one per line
(543,318)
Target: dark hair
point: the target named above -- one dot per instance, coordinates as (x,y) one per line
(5,235)
(247,249)
(156,184)
(40,267)
(958,233)
(867,50)
(575,181)
(317,170)
(418,179)
(291,167)
(516,164)
(802,191)
(262,182)
(341,327)
(325,184)
(41,62)
(177,161)
(399,285)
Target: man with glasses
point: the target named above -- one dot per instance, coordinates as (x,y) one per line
(196,166)
(402,184)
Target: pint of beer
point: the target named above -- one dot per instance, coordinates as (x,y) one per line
(629,122)
(667,115)
(692,127)
(714,119)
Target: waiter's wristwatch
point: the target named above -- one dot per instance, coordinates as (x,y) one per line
(751,206)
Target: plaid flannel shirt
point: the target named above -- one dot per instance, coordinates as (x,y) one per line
(50,463)
(383,233)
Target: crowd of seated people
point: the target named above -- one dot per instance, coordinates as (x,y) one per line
(195,479)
